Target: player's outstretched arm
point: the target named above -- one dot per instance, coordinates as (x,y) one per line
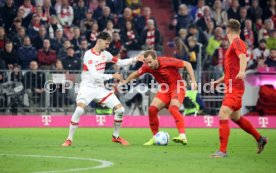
(132,76)
(190,70)
(133,60)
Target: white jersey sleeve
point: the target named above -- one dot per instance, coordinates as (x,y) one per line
(117,61)
(88,62)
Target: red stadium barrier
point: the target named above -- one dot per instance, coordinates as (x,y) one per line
(129,121)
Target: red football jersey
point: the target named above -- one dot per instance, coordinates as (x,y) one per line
(232,63)
(167,72)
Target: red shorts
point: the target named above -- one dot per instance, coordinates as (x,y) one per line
(166,97)
(233,100)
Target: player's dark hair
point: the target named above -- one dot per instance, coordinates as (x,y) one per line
(150,52)
(104,36)
(234,25)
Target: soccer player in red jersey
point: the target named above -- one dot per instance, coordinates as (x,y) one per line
(171,93)
(234,73)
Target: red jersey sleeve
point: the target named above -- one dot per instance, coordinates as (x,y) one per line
(144,69)
(239,46)
(172,62)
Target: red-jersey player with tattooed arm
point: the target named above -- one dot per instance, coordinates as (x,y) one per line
(234,73)
(172,91)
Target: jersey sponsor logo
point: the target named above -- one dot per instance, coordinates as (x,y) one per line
(100,66)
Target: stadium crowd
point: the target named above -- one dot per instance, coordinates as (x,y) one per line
(54,34)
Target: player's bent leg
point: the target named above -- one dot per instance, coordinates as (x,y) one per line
(248,127)
(74,123)
(224,129)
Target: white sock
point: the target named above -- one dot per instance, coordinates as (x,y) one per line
(117,126)
(75,122)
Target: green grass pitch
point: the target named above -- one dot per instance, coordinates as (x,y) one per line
(95,143)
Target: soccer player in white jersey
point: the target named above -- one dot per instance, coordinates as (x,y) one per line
(92,86)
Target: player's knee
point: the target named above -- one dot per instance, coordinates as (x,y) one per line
(119,113)
(153,110)
(173,109)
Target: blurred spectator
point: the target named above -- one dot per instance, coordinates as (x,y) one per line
(93,5)
(17,39)
(249,35)
(91,35)
(269,11)
(109,28)
(57,42)
(76,38)
(71,62)
(3,38)
(214,41)
(271,60)
(33,28)
(14,27)
(3,75)
(116,47)
(102,21)
(117,6)
(183,34)
(218,58)
(193,51)
(181,50)
(130,37)
(197,34)
(25,21)
(8,13)
(151,38)
(127,16)
(28,8)
(135,6)
(9,55)
(271,40)
(53,26)
(34,81)
(98,12)
(255,11)
(26,53)
(39,12)
(219,14)
(264,32)
(206,20)
(83,48)
(234,11)
(79,12)
(47,9)
(183,19)
(261,51)
(46,57)
(144,18)
(197,11)
(16,74)
(243,17)
(62,53)
(86,23)
(38,40)
(65,13)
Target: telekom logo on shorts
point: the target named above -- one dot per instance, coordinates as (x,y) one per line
(46,119)
(100,119)
(263,121)
(208,120)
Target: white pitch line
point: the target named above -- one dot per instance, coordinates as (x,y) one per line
(103,164)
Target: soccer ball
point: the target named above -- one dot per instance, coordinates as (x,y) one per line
(162,138)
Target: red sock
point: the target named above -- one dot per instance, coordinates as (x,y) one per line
(224,132)
(247,126)
(179,119)
(153,119)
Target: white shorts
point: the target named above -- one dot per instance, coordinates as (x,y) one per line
(105,97)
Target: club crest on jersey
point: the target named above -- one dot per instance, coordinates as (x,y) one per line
(103,57)
(90,62)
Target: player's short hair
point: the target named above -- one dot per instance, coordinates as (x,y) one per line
(234,25)
(150,52)
(104,36)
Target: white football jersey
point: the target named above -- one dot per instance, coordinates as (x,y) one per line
(94,67)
